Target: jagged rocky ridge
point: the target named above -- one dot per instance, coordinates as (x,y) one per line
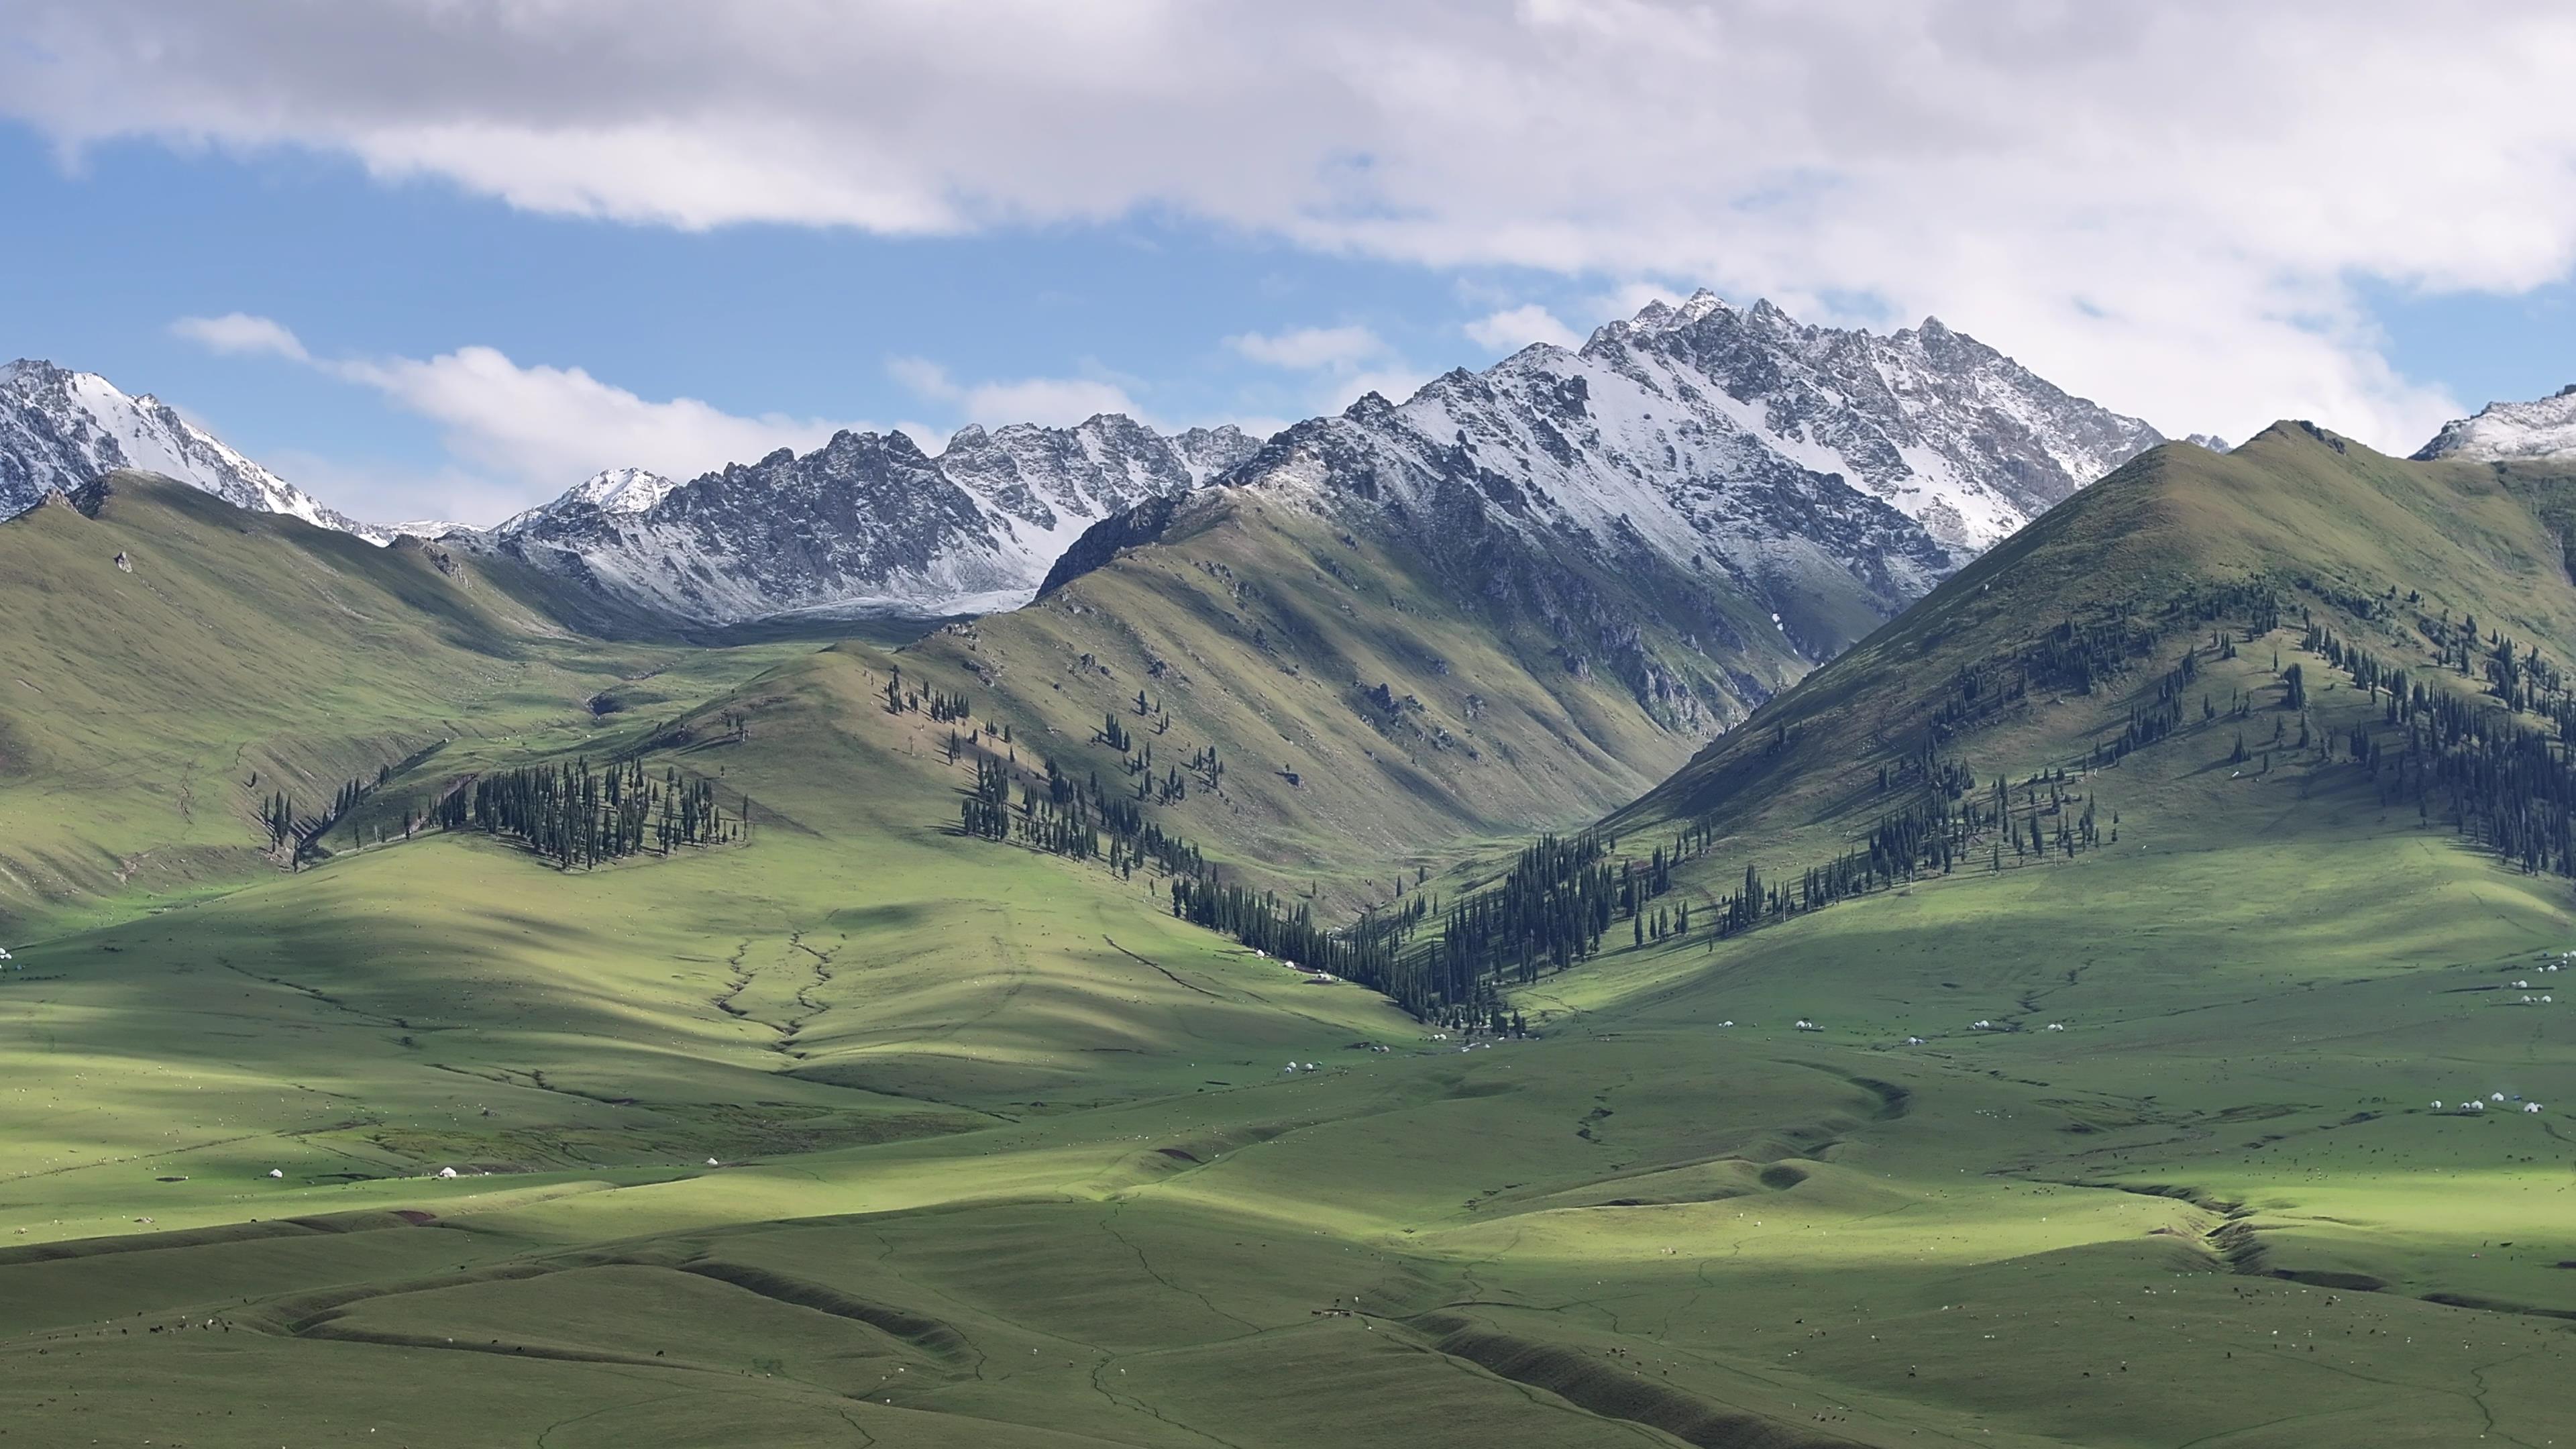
(62,430)
(2507,432)
(867,523)
(1703,457)
(1731,442)
(1724,444)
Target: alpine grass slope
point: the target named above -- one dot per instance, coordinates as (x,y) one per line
(863,1124)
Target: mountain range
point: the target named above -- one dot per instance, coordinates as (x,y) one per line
(1829,476)
(865,524)
(1735,441)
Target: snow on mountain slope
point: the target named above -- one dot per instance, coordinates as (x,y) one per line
(625,490)
(2504,432)
(1707,436)
(1822,471)
(1949,431)
(1738,438)
(60,429)
(867,523)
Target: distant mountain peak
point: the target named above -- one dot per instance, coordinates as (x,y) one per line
(61,429)
(867,523)
(623,490)
(2511,431)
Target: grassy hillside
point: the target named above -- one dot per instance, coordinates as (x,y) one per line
(1373,716)
(2267,982)
(148,711)
(2324,524)
(1004,1155)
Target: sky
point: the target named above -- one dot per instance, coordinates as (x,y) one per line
(445,258)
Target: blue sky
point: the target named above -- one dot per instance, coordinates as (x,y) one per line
(744,225)
(753,318)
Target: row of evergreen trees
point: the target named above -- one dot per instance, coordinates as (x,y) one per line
(286,827)
(1080,820)
(940,705)
(1259,920)
(2503,784)
(2041,819)
(1548,911)
(576,815)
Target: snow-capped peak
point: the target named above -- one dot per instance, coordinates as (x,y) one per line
(623,490)
(2505,432)
(61,429)
(866,523)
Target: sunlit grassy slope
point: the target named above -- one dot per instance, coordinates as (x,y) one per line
(1376,712)
(1005,1156)
(147,712)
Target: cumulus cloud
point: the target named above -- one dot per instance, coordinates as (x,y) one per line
(238,334)
(1515,328)
(521,434)
(1055,401)
(1303,349)
(1395,384)
(551,427)
(2164,206)
(1342,363)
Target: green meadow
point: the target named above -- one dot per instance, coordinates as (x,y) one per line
(858,1131)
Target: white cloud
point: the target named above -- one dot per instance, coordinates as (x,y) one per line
(551,427)
(1518,327)
(1304,349)
(1055,401)
(239,334)
(1344,362)
(521,434)
(385,491)
(1395,384)
(2167,207)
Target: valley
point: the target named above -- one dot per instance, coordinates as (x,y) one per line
(2067,1075)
